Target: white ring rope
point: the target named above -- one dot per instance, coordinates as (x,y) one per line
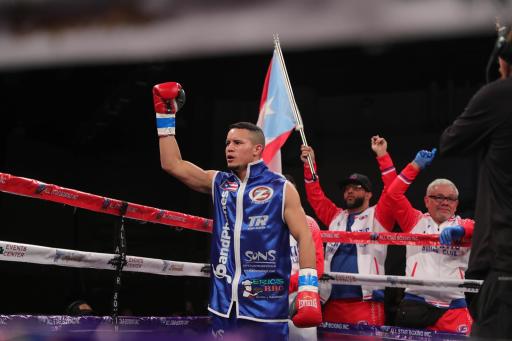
(464,285)
(27,253)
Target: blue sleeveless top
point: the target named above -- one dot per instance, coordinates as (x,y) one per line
(250,251)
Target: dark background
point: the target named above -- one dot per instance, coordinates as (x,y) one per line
(91,128)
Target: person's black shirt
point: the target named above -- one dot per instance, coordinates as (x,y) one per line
(485,127)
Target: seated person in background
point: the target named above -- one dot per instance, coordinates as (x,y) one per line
(423,308)
(353,303)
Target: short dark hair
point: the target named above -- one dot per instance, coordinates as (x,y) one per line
(259,136)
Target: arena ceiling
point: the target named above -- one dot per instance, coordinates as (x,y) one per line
(37,33)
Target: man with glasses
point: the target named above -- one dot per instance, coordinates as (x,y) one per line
(353,303)
(423,308)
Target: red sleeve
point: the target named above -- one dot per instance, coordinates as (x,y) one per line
(319,246)
(468,226)
(406,215)
(324,208)
(387,170)
(384,208)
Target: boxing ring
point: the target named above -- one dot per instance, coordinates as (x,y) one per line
(114,326)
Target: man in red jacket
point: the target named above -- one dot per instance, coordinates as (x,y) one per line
(353,303)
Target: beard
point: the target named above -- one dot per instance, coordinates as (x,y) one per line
(358,202)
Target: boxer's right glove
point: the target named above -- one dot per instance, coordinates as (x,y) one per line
(168,98)
(307,302)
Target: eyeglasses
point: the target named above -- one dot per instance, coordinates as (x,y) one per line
(440,198)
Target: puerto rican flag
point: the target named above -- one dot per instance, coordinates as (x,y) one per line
(230,186)
(276,115)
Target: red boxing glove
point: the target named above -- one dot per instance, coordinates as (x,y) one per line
(168,98)
(307,303)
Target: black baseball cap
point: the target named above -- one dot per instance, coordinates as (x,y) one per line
(359,179)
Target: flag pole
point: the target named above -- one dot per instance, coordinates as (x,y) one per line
(298,119)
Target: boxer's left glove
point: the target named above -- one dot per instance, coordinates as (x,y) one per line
(168,98)
(307,303)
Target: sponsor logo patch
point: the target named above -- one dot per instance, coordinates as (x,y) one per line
(308,301)
(263,261)
(261,194)
(258,222)
(263,287)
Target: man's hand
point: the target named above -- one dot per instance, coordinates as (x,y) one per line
(379,145)
(424,158)
(305,151)
(451,234)
(168,98)
(307,303)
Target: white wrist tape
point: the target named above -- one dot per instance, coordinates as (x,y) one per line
(308,280)
(165,124)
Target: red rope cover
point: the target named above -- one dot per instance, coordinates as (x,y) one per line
(39,190)
(388,238)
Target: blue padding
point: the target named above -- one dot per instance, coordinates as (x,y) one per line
(308,280)
(167,122)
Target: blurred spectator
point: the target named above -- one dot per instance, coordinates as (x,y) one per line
(79,308)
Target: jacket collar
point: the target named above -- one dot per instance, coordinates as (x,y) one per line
(255,169)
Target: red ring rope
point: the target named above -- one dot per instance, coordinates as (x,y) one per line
(39,190)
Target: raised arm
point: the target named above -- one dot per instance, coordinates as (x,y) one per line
(168,98)
(384,209)
(387,169)
(406,215)
(324,208)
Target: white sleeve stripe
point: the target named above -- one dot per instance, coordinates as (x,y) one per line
(403,179)
(388,171)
